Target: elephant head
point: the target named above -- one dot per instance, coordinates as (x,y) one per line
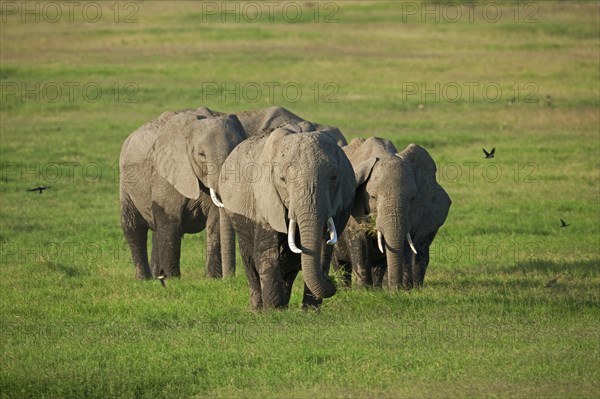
(191,149)
(302,181)
(401,190)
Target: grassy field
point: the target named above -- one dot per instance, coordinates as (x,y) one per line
(511,306)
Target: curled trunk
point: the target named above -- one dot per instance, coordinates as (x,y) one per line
(311,236)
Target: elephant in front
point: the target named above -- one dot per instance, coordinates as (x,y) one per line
(169,184)
(398,210)
(279,187)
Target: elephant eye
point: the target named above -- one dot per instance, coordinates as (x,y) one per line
(201,155)
(282,178)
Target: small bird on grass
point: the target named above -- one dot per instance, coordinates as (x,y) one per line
(163,281)
(40,189)
(563,223)
(548,100)
(489,155)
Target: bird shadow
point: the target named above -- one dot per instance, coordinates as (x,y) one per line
(68,271)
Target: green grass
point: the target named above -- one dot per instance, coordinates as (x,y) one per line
(490,321)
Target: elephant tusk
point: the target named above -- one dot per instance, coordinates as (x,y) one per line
(410,242)
(380,241)
(332,233)
(292,237)
(215,200)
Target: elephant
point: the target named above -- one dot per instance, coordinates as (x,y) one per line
(398,210)
(169,184)
(266,119)
(275,185)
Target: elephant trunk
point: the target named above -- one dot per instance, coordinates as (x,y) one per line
(311,236)
(227,244)
(392,221)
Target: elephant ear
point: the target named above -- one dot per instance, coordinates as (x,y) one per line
(170,155)
(432,200)
(269,206)
(362,173)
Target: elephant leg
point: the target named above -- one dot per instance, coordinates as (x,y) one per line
(407,272)
(290,266)
(245,231)
(378,270)
(247,254)
(266,255)
(309,301)
(361,267)
(227,235)
(213,244)
(339,261)
(166,243)
(135,231)
(288,282)
(422,260)
(154,258)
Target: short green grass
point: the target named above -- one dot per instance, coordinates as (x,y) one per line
(511,302)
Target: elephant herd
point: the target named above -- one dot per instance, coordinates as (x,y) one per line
(295,193)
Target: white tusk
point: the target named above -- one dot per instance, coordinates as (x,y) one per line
(215,200)
(412,246)
(380,241)
(292,237)
(332,233)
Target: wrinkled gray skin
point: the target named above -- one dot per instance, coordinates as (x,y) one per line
(271,179)
(167,168)
(401,192)
(265,120)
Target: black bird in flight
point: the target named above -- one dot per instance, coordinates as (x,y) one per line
(490,154)
(162,280)
(40,189)
(563,224)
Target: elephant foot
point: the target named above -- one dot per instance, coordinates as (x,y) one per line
(143,273)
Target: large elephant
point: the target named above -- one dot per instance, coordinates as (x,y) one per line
(398,209)
(274,185)
(169,183)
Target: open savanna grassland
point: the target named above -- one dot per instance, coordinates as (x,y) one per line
(511,304)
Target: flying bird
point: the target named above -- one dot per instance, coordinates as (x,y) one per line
(162,280)
(489,155)
(563,224)
(40,189)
